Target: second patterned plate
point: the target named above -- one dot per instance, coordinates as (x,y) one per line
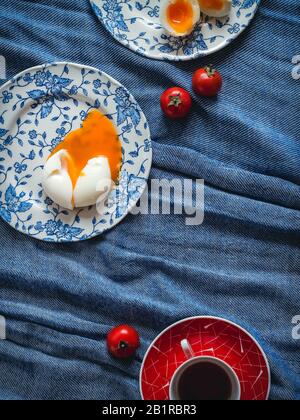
(136,25)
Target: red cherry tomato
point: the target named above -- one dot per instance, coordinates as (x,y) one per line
(123,341)
(207,81)
(176,102)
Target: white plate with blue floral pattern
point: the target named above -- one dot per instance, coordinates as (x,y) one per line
(37,109)
(136,25)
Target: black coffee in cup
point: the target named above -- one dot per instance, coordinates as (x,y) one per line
(204,382)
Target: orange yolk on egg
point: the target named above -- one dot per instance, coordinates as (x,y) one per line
(180,16)
(212,4)
(97,137)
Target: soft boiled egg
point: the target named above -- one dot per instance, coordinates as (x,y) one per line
(179,17)
(80,170)
(215,8)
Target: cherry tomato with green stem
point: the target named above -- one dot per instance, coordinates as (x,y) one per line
(207,81)
(176,102)
(123,341)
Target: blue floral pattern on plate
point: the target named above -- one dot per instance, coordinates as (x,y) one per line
(136,24)
(37,109)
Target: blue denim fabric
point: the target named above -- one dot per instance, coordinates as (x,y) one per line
(243,263)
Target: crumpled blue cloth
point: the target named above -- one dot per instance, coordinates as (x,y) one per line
(243,263)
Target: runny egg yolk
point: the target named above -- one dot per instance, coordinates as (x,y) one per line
(97,137)
(212,4)
(180,16)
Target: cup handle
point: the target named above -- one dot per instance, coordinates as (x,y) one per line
(187,349)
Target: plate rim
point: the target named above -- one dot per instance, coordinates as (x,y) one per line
(147,173)
(216,318)
(174,58)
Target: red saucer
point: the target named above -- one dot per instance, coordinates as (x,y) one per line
(208,336)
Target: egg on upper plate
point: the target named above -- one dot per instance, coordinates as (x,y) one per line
(80,171)
(179,17)
(215,8)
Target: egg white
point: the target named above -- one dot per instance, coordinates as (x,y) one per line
(95,184)
(56,182)
(164,20)
(218,13)
(92,187)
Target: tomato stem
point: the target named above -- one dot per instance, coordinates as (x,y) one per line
(175,100)
(210,70)
(123,345)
